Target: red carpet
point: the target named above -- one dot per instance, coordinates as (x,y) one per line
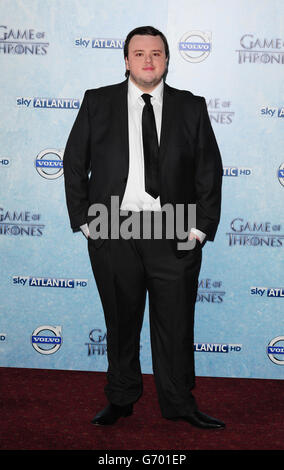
(51,410)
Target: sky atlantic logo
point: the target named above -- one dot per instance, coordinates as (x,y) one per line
(217,347)
(22,41)
(256,234)
(195,46)
(272,111)
(5,162)
(99,43)
(63,283)
(3,337)
(236,171)
(48,103)
(255,50)
(268,291)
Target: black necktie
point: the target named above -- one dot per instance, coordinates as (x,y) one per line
(151,148)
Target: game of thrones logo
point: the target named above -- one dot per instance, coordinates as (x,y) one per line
(97,344)
(245,233)
(22,42)
(22,223)
(210,291)
(260,50)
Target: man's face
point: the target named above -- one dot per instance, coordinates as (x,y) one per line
(146,61)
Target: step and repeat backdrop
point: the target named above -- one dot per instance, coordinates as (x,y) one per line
(230,52)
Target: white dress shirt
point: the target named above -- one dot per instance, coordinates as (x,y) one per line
(135,197)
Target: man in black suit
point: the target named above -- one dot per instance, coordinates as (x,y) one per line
(149,145)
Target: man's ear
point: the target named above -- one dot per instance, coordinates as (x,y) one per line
(126,63)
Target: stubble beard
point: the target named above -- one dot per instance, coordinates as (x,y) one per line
(146,84)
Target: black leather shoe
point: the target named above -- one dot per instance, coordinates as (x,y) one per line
(201,420)
(111,414)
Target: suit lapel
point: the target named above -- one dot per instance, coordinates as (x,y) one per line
(167,118)
(121,112)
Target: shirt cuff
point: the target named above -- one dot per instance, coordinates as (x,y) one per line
(200,234)
(85,230)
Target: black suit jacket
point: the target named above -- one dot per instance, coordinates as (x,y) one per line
(96,157)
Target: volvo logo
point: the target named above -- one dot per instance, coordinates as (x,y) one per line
(195,46)
(281,174)
(49,163)
(273,350)
(47,339)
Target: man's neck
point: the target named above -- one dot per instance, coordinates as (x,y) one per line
(143,88)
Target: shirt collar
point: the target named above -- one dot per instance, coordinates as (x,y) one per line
(134,93)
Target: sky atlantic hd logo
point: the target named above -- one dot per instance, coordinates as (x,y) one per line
(49,163)
(99,43)
(260,234)
(63,283)
(220,111)
(22,41)
(272,111)
(255,50)
(217,347)
(210,291)
(23,223)
(48,103)
(195,46)
(268,291)
(236,171)
(5,162)
(3,337)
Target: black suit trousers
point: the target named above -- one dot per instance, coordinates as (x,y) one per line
(125,271)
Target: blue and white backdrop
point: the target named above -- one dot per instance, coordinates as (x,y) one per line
(230,52)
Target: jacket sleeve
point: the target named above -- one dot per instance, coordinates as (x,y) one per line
(208,176)
(76,164)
